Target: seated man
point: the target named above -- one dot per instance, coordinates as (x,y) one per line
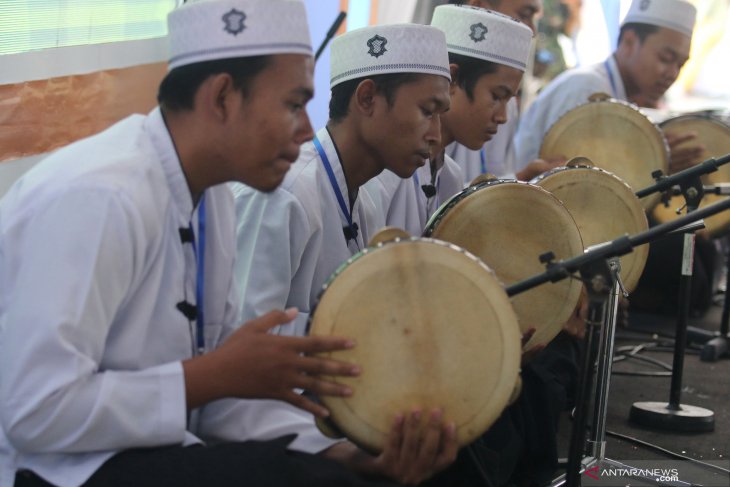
(486,71)
(497,157)
(389,88)
(653,45)
(120,352)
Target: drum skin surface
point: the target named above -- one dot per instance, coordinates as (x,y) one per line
(433,327)
(715,136)
(617,137)
(604,208)
(509,224)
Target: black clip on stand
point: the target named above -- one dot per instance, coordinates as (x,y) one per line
(673,415)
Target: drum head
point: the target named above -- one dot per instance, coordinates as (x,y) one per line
(616,137)
(433,328)
(509,224)
(715,136)
(604,208)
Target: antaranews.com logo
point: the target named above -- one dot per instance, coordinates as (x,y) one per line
(656,472)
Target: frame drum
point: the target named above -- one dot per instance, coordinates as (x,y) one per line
(715,136)
(509,224)
(433,328)
(616,136)
(604,207)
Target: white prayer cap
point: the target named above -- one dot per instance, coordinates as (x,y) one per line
(677,15)
(484,34)
(207,30)
(388,49)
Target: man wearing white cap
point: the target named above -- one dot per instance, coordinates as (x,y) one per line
(488,53)
(389,88)
(497,157)
(120,347)
(653,45)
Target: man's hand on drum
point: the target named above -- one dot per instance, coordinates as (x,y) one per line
(576,324)
(539,166)
(528,355)
(683,157)
(253,363)
(416,449)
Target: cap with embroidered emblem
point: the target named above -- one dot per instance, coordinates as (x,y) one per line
(387,49)
(207,30)
(677,15)
(484,34)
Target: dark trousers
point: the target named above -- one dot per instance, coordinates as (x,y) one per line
(252,463)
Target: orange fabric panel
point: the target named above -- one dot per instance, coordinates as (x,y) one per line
(39,116)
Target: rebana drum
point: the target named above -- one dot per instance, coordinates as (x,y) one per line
(715,136)
(616,136)
(433,328)
(604,208)
(509,224)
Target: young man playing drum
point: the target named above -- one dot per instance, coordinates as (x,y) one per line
(653,45)
(488,53)
(110,373)
(389,89)
(497,157)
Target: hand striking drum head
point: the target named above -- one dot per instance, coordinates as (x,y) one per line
(509,224)
(715,136)
(616,137)
(433,328)
(604,207)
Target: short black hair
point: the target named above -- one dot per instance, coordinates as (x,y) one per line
(178,88)
(469,72)
(493,3)
(385,84)
(642,31)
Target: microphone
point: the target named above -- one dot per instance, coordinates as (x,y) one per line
(189,310)
(429,190)
(186,235)
(351,232)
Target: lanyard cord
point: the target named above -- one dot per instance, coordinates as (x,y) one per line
(351,230)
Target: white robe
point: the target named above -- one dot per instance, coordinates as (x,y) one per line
(290,241)
(569,90)
(498,154)
(91,343)
(403,204)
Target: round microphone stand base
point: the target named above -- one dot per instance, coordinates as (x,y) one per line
(662,415)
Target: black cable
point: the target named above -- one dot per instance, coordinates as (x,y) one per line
(665,451)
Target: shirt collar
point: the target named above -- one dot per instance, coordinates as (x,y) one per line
(166,153)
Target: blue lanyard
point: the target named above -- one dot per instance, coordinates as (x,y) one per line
(483,160)
(335,187)
(199,251)
(610,78)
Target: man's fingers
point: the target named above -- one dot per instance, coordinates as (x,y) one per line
(323,366)
(411,436)
(323,387)
(431,441)
(301,402)
(319,344)
(449,448)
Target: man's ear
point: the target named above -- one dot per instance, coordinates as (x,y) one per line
(454,84)
(364,97)
(216,96)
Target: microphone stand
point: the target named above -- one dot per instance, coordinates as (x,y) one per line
(674,415)
(601,280)
(330,34)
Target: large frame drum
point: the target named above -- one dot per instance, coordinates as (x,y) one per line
(616,136)
(509,224)
(604,208)
(715,136)
(433,328)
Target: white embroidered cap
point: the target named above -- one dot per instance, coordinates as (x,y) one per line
(387,49)
(677,15)
(207,30)
(484,34)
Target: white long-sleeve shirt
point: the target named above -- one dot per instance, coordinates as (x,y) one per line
(92,268)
